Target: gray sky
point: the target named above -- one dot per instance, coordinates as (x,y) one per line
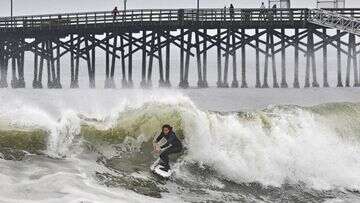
(58,6)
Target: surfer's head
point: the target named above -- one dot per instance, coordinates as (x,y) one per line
(166,129)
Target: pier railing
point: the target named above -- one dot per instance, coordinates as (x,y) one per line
(335,20)
(162,15)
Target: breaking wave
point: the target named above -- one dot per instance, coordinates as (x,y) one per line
(316,146)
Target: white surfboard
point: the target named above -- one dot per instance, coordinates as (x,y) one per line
(155,168)
(152,167)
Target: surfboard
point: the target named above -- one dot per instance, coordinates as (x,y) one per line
(155,168)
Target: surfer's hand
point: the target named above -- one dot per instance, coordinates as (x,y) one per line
(156,149)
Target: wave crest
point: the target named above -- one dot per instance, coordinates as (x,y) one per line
(316,145)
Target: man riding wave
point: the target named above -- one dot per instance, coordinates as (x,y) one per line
(173,145)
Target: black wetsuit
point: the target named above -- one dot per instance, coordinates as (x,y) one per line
(173,145)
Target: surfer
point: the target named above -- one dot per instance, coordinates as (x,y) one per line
(173,145)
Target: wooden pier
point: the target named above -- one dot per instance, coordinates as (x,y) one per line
(155,33)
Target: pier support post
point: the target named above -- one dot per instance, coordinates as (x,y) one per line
(339,75)
(13,72)
(3,79)
(161,65)
(18,70)
(151,61)
(167,61)
(37,80)
(3,67)
(348,65)
(111,81)
(41,68)
(52,66)
(130,63)
(14,78)
(310,61)
(51,83)
(75,84)
(36,63)
(198,60)
(187,62)
(355,63)
(243,61)
(235,82)
(325,60)
(21,72)
(107,63)
(53,72)
(182,56)
(219,68)
(20,83)
(273,60)
(72,62)
(308,58)
(124,83)
(313,60)
(143,69)
(204,80)
(257,62)
(296,57)
(17,67)
(49,64)
(227,55)
(57,83)
(283,61)
(88,61)
(352,58)
(93,63)
(266,66)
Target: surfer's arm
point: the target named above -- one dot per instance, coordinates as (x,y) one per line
(158,138)
(166,145)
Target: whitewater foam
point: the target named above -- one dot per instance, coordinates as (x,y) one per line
(296,147)
(278,145)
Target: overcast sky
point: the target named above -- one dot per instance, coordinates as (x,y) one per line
(58,6)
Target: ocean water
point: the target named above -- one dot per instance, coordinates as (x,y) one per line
(240,145)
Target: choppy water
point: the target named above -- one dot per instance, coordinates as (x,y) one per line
(96,147)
